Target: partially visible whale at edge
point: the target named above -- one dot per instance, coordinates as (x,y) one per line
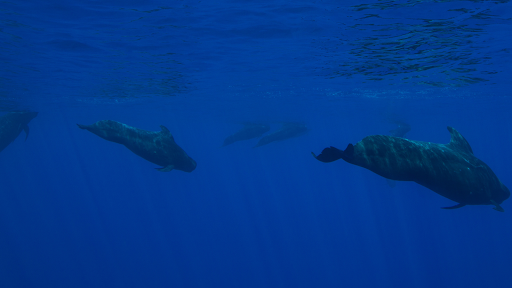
(288,130)
(249,131)
(451,170)
(11,125)
(157,147)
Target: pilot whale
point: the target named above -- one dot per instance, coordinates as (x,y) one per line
(287,131)
(451,170)
(249,131)
(157,147)
(11,125)
(401,129)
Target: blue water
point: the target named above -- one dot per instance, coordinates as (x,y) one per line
(79,211)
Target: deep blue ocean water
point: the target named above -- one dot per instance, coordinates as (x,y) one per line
(79,211)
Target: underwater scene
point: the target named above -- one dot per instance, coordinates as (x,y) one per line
(255,143)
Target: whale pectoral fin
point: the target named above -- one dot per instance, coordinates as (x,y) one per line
(498,207)
(455,206)
(26,129)
(166,168)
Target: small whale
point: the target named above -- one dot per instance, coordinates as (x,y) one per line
(157,147)
(401,129)
(11,125)
(249,131)
(451,170)
(287,131)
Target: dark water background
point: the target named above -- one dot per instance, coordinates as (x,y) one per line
(78,211)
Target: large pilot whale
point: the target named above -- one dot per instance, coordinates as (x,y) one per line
(451,170)
(157,147)
(11,125)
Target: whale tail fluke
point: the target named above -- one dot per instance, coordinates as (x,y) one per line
(331,154)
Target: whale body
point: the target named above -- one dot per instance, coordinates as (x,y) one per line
(11,125)
(249,131)
(287,131)
(451,170)
(157,147)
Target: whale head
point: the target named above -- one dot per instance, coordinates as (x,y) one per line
(188,166)
(502,194)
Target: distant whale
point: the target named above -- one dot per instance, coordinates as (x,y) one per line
(401,129)
(451,170)
(157,147)
(249,131)
(287,130)
(11,125)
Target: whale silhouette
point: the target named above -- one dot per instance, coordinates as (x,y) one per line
(249,131)
(157,147)
(287,131)
(451,170)
(401,129)
(11,125)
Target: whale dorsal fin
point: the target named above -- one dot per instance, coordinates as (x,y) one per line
(166,131)
(457,142)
